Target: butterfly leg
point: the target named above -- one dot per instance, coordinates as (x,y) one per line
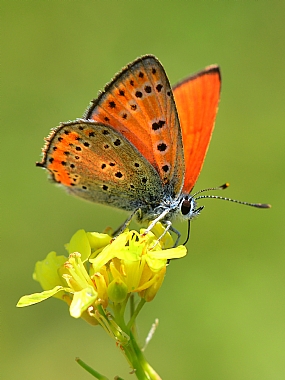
(153,223)
(123,226)
(168,227)
(167,224)
(178,234)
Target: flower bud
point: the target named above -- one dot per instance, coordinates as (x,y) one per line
(117,290)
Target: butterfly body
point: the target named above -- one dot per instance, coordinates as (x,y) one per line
(140,146)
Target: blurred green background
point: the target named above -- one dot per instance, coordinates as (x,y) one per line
(221,309)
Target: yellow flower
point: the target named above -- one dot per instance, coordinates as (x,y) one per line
(100,274)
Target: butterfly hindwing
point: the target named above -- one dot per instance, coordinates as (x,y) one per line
(95,162)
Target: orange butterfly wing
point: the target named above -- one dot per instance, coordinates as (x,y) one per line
(139,103)
(197,99)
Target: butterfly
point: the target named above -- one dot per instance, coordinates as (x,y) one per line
(141,145)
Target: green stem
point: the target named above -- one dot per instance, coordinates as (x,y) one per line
(132,311)
(129,346)
(91,370)
(146,371)
(136,312)
(119,311)
(135,362)
(132,304)
(132,352)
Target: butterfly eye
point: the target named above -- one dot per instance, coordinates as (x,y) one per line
(185,206)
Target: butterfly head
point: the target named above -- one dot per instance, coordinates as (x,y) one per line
(188,207)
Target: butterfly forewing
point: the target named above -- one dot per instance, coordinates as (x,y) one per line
(95,162)
(197,100)
(139,103)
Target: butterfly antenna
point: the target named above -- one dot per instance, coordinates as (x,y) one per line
(257,205)
(222,187)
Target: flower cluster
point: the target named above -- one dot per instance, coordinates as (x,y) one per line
(101,273)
